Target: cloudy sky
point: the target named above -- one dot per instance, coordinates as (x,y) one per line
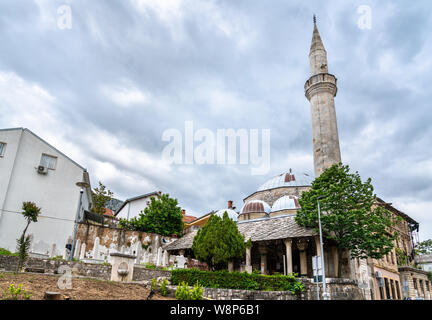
(105,90)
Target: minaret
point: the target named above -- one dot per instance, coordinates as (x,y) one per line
(321,88)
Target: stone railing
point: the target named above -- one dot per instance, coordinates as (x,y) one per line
(321,82)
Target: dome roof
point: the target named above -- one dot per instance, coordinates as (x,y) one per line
(286,203)
(287,180)
(256,206)
(231,214)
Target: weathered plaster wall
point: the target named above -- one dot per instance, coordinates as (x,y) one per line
(99,241)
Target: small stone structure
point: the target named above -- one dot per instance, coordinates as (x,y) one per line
(415,283)
(122,267)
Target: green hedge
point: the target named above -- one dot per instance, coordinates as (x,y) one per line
(5,252)
(237,280)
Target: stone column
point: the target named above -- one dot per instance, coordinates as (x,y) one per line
(318,245)
(288,245)
(335,260)
(248,260)
(302,245)
(83,251)
(263,251)
(77,249)
(231,266)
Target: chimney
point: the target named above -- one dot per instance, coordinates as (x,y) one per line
(183,212)
(160,193)
(230,204)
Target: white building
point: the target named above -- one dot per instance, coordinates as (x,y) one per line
(33,170)
(132,207)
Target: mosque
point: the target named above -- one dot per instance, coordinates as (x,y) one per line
(267,217)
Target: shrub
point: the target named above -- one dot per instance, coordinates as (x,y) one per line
(16,293)
(154,284)
(163,288)
(237,280)
(5,252)
(197,292)
(183,292)
(150,266)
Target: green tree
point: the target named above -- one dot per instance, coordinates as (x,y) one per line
(30,213)
(162,216)
(101,196)
(348,214)
(424,247)
(218,242)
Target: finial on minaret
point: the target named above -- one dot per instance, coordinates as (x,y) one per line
(314,19)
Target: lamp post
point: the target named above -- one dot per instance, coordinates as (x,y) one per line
(82,185)
(325,297)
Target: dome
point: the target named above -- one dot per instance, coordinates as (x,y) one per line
(231,214)
(287,180)
(286,203)
(256,206)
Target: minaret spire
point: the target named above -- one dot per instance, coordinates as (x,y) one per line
(317,54)
(320,90)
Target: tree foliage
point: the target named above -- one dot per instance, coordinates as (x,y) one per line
(218,242)
(349,214)
(100,197)
(31,213)
(424,247)
(162,216)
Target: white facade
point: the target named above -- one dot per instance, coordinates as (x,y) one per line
(131,208)
(54,191)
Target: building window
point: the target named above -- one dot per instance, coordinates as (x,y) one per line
(392,289)
(387,288)
(398,290)
(2,148)
(48,161)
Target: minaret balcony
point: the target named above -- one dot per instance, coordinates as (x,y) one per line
(319,83)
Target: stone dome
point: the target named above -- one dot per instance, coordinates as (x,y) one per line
(288,179)
(286,203)
(231,214)
(254,209)
(256,206)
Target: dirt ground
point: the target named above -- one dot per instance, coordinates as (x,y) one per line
(82,288)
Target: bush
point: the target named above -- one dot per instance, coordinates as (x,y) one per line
(183,292)
(237,280)
(154,284)
(163,288)
(5,252)
(16,293)
(197,292)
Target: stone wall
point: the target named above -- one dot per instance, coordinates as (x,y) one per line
(339,289)
(142,274)
(92,270)
(96,242)
(8,263)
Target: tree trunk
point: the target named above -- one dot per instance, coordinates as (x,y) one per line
(21,259)
(340,254)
